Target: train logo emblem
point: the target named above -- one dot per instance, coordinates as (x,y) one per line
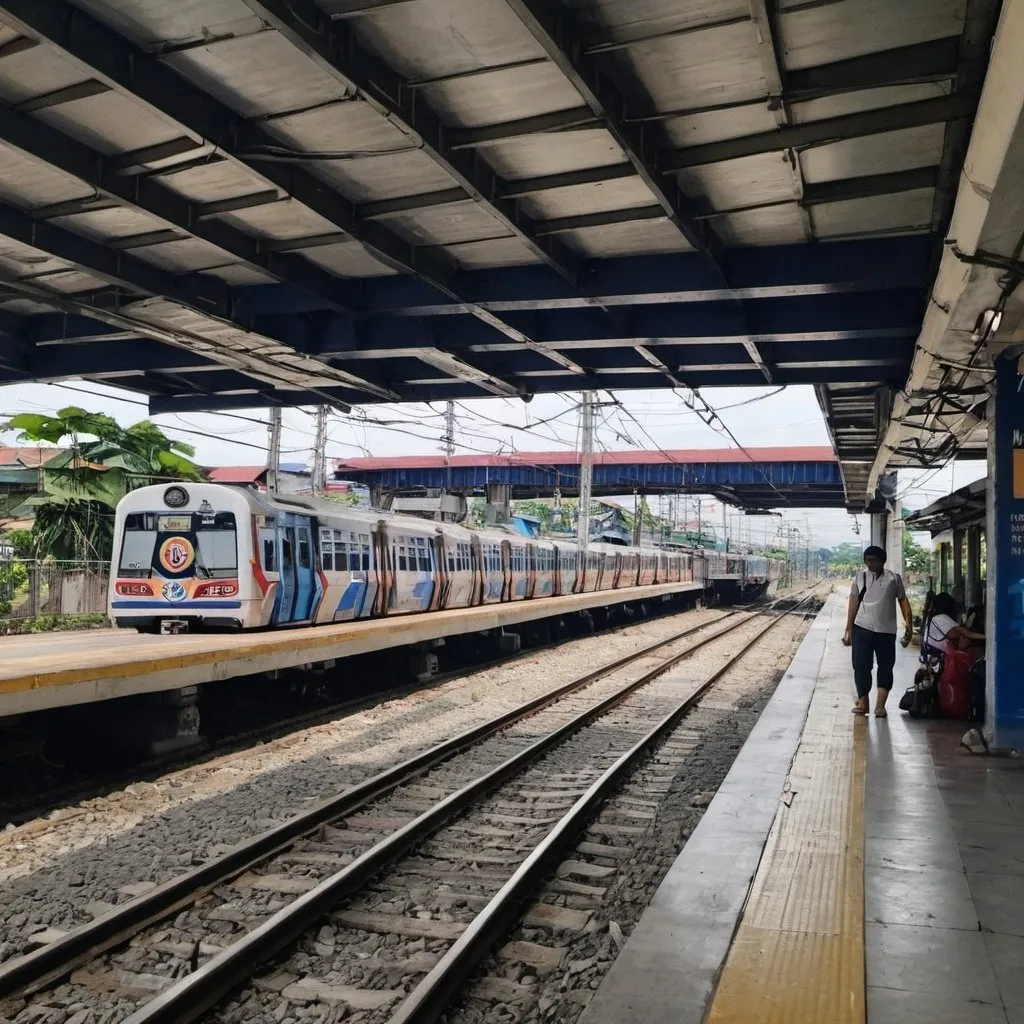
(176,554)
(174,591)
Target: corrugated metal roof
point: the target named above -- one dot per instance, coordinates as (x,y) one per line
(301,196)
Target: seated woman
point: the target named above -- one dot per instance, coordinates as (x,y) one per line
(943,637)
(942,634)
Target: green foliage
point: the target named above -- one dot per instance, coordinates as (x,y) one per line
(49,623)
(75,529)
(13,578)
(345,498)
(23,542)
(915,557)
(102,463)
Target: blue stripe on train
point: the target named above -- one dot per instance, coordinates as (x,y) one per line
(168,606)
(353,596)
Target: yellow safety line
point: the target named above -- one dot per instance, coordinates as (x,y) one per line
(798,955)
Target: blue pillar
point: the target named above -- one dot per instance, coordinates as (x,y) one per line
(1005,531)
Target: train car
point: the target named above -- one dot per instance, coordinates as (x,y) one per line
(199,556)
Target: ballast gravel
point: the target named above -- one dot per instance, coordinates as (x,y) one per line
(60,872)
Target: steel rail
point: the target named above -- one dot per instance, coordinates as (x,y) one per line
(189,998)
(431,997)
(35,970)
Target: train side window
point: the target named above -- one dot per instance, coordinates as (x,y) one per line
(403,562)
(304,549)
(422,554)
(326,550)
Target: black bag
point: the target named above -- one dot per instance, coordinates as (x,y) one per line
(926,702)
(922,699)
(978,691)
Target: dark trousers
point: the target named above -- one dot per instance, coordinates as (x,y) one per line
(868,647)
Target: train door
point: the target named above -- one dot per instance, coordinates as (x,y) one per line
(298,585)
(444,560)
(284,606)
(306,582)
(506,571)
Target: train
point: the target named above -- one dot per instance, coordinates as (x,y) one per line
(194,557)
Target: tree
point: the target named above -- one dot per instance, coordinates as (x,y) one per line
(101,463)
(915,557)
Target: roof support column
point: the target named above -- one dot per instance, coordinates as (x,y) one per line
(1004,704)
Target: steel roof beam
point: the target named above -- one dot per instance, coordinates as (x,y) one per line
(932,61)
(755,273)
(204,294)
(42,142)
(335,48)
(558,34)
(143,77)
(817,133)
(764,14)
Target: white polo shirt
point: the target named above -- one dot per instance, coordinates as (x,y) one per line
(877,610)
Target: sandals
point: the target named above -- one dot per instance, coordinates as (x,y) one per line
(858,710)
(881,713)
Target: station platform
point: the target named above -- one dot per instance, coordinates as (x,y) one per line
(48,670)
(849,869)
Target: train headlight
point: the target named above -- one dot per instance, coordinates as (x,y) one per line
(175,497)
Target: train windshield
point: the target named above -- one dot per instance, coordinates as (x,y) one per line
(181,544)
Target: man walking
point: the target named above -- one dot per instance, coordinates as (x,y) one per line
(871,627)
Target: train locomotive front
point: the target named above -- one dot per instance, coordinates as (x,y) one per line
(182,560)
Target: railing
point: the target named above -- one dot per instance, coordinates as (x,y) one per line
(30,588)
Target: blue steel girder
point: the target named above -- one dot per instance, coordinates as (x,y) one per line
(754,273)
(133,71)
(610,479)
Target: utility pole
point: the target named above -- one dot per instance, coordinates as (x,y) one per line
(274,449)
(586,469)
(725,527)
(319,474)
(449,442)
(637,518)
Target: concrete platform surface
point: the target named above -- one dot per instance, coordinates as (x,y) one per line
(848,870)
(49,670)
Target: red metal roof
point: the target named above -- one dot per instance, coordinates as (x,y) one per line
(821,453)
(28,457)
(235,474)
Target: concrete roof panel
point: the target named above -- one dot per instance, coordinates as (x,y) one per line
(155,24)
(452,37)
(875,154)
(777,225)
(831,32)
(348,259)
(744,182)
(643,236)
(618,194)
(502,96)
(258,74)
(445,225)
(497,252)
(110,123)
(906,211)
(30,183)
(535,155)
(714,126)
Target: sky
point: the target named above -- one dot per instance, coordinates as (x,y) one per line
(757,417)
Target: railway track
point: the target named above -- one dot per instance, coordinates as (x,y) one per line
(478,822)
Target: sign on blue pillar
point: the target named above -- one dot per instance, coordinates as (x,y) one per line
(1006,557)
